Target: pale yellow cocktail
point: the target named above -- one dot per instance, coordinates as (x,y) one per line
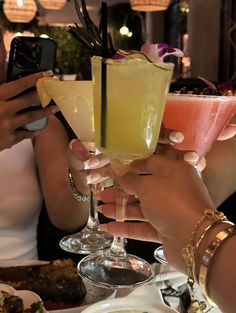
(127,125)
(75,100)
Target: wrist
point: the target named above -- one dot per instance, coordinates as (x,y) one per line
(79,196)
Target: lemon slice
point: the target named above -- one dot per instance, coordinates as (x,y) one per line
(42,90)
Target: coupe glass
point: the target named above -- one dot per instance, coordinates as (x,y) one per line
(75,100)
(129,99)
(201,118)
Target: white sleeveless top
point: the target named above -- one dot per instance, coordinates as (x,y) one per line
(20,202)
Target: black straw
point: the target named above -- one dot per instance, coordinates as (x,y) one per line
(104,75)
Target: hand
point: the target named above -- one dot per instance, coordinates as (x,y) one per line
(87,169)
(11,104)
(172,198)
(171,137)
(142,230)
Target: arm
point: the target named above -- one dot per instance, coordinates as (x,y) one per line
(173,199)
(51,146)
(220,172)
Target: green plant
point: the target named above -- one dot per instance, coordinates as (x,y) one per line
(72,57)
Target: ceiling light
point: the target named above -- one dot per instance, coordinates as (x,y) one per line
(52,4)
(149,5)
(19,12)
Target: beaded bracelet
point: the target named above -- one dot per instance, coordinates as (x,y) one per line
(208,255)
(77,195)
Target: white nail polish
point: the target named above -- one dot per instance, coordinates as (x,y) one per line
(191,157)
(93,178)
(91,164)
(176,137)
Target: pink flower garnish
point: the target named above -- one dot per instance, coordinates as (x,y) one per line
(157,52)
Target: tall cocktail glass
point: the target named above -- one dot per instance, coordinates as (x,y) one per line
(75,100)
(201,118)
(129,99)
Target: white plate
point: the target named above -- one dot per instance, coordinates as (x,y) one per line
(146,299)
(28,297)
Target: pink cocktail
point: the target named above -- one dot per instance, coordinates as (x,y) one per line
(200,118)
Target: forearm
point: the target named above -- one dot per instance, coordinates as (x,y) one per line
(220,172)
(221,272)
(50,149)
(66,212)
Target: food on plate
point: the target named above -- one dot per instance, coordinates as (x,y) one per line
(57,282)
(14,304)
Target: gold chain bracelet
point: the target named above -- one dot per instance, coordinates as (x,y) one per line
(189,251)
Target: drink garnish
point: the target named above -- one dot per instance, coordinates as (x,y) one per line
(92,37)
(89,34)
(157,52)
(41,86)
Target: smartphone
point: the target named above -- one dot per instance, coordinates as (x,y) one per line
(29,55)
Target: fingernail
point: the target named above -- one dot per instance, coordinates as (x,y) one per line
(191,157)
(71,143)
(91,164)
(96,178)
(48,73)
(93,178)
(103,227)
(176,137)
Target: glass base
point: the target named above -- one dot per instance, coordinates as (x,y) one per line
(87,241)
(109,271)
(159,255)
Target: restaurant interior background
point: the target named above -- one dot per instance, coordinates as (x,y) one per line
(204,29)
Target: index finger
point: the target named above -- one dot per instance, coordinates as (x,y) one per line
(15,87)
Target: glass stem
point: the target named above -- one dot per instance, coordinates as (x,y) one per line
(118,247)
(92,222)
(118,243)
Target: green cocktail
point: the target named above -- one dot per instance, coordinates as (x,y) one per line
(128,127)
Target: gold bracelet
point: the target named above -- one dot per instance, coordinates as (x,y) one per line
(198,243)
(77,195)
(207,258)
(188,252)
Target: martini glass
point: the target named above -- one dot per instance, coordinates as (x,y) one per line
(129,99)
(75,100)
(201,118)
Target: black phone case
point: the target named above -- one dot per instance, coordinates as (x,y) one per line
(29,55)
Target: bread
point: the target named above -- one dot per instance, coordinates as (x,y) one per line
(57,281)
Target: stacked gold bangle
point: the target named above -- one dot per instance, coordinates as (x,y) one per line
(207,258)
(191,251)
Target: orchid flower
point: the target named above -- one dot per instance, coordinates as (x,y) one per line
(157,52)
